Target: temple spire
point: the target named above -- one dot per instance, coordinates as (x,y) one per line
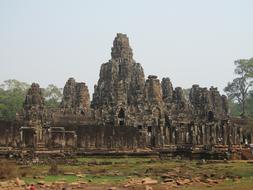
(121,49)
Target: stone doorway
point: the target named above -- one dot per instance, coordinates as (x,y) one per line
(121,117)
(210,116)
(28,137)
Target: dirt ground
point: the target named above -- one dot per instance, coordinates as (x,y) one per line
(140,173)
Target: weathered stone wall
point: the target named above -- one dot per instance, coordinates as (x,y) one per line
(208,104)
(200,133)
(153,90)
(110,137)
(9,133)
(71,139)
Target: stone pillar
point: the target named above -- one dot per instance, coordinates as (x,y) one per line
(194,134)
(203,128)
(176,136)
(166,135)
(200,136)
(35,139)
(209,134)
(21,135)
(214,135)
(161,135)
(241,135)
(224,135)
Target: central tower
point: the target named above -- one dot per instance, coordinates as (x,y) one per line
(121,83)
(121,49)
(121,80)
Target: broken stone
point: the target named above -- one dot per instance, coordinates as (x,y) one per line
(80,175)
(166,180)
(41,182)
(74,184)
(148,187)
(183,181)
(149,181)
(112,188)
(19,182)
(69,173)
(59,183)
(39,177)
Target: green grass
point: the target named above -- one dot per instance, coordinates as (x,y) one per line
(93,179)
(119,160)
(107,170)
(105,179)
(50,178)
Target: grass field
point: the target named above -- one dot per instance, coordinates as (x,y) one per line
(118,171)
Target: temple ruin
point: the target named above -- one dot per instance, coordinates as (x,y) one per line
(127,112)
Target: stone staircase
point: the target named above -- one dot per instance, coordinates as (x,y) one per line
(41,146)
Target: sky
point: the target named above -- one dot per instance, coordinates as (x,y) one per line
(189,41)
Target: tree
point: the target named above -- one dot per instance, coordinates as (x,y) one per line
(13,84)
(234,108)
(53,96)
(238,89)
(12,95)
(249,103)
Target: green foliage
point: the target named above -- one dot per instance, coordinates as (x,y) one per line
(244,67)
(238,90)
(249,104)
(12,96)
(14,85)
(235,109)
(53,96)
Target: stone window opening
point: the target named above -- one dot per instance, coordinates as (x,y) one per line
(149,130)
(121,117)
(210,116)
(120,69)
(82,112)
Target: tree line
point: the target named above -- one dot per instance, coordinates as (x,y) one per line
(12,96)
(239,91)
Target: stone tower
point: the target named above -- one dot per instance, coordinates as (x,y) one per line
(34,117)
(76,97)
(121,79)
(34,104)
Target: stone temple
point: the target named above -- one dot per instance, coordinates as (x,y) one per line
(127,112)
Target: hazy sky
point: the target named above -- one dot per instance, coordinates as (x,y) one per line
(190,41)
